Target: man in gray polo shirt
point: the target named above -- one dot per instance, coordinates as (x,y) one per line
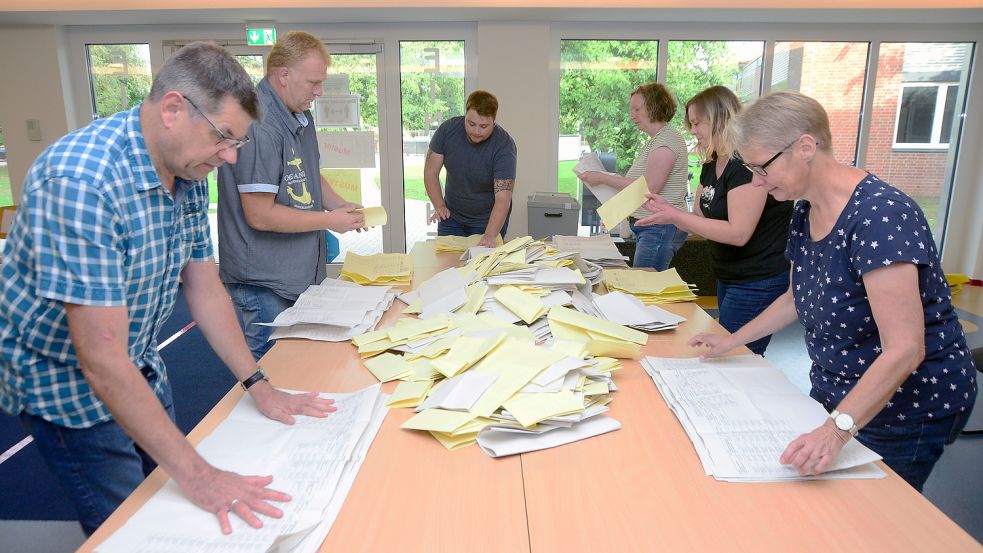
(480,159)
(272,202)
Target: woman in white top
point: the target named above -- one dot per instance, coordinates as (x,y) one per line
(663,162)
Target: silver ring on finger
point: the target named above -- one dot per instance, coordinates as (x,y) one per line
(232,505)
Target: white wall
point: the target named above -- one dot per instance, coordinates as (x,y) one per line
(32,87)
(521,83)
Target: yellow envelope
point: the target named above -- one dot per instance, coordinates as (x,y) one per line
(388,367)
(374,216)
(409,394)
(624,203)
(596,388)
(596,325)
(527,306)
(437,420)
(515,363)
(453,442)
(530,409)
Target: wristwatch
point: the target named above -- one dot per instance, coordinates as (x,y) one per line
(256,377)
(844,422)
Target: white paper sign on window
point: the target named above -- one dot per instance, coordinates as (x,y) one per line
(337,84)
(338,111)
(352,149)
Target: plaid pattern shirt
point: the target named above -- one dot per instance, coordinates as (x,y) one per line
(95,227)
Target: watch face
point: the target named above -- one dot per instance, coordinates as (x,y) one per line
(844,422)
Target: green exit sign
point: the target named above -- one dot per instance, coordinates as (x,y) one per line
(260,37)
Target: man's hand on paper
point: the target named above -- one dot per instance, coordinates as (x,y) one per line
(440,214)
(345,219)
(281,406)
(488,241)
(815,452)
(663,213)
(223,492)
(718,344)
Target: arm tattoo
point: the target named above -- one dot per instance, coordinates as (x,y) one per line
(429,153)
(504,185)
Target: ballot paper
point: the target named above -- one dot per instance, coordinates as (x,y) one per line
(650,286)
(444,292)
(334,310)
(374,216)
(741,413)
(628,310)
(600,249)
(501,441)
(379,268)
(591,162)
(461,243)
(315,461)
(624,203)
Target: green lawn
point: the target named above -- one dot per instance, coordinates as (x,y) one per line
(6,196)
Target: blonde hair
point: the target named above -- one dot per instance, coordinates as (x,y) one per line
(775,120)
(294,47)
(660,102)
(719,105)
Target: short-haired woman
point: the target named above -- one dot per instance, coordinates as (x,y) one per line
(889,357)
(663,162)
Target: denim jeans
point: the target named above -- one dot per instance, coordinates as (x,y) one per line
(256,304)
(451,227)
(98,466)
(743,301)
(911,450)
(656,245)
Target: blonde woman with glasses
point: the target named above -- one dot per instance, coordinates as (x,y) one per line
(746,228)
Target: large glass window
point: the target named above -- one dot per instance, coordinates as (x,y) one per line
(596,80)
(6,193)
(119,75)
(914,130)
(694,65)
(431,82)
(834,74)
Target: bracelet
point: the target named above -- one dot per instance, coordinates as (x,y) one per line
(256,377)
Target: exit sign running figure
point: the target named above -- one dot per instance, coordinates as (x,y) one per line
(260,37)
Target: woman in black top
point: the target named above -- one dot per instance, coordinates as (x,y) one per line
(747,229)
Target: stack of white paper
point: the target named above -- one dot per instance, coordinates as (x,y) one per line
(315,461)
(333,311)
(740,413)
(626,309)
(600,249)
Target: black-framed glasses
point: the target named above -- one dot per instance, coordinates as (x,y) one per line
(762,169)
(226,141)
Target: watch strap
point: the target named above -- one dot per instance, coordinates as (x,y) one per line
(254,378)
(852,430)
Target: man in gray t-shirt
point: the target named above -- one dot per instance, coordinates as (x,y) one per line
(272,202)
(480,159)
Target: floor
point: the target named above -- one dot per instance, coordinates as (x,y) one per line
(955,486)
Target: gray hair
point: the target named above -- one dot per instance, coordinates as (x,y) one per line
(777,119)
(206,74)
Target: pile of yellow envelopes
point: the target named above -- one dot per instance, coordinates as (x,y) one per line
(650,286)
(956,281)
(461,243)
(381,268)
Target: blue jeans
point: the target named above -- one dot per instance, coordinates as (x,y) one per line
(911,450)
(256,304)
(743,301)
(99,466)
(452,227)
(656,245)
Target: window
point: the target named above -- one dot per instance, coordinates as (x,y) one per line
(915,121)
(119,76)
(596,81)
(925,115)
(431,87)
(834,74)
(6,193)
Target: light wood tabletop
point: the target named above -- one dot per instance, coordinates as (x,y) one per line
(641,488)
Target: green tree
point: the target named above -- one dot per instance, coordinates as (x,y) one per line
(362,80)
(598,76)
(431,83)
(120,76)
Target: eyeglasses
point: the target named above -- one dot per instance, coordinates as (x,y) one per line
(226,141)
(760,169)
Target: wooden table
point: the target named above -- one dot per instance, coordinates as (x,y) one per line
(641,488)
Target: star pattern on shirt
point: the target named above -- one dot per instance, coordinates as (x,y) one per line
(832,303)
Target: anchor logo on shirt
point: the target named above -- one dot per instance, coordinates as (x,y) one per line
(305,196)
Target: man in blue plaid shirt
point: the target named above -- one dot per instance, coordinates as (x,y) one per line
(111,216)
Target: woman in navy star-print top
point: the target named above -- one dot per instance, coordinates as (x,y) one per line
(889,356)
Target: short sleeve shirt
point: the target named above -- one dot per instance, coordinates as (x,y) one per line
(763,255)
(95,227)
(879,227)
(472,169)
(281,158)
(674,190)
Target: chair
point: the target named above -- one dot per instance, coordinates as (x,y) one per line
(6,219)
(978,359)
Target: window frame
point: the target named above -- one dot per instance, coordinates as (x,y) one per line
(938,116)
